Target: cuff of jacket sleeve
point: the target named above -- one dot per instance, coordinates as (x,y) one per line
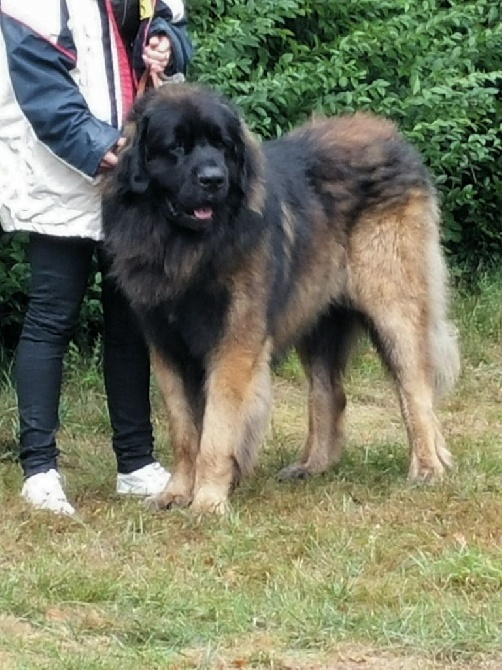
(107,140)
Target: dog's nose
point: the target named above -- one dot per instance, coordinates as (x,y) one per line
(211,178)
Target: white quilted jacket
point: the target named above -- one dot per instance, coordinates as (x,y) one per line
(63,93)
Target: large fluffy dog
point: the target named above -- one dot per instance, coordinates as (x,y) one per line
(232,251)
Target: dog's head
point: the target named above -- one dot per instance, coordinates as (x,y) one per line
(189,150)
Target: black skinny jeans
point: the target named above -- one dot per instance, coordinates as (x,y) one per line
(60,269)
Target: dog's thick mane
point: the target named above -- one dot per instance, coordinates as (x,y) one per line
(166,256)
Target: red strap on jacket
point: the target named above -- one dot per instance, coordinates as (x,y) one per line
(125,73)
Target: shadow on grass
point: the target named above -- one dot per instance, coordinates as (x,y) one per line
(380,469)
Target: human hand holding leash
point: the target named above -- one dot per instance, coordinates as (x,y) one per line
(157,54)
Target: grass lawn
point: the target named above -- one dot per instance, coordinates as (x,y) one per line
(353,570)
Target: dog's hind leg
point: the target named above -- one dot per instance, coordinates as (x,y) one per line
(324,354)
(184,408)
(402,343)
(399,284)
(235,421)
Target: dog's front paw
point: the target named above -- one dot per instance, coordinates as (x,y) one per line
(210,501)
(167,500)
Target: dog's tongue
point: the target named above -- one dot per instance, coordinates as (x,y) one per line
(204,213)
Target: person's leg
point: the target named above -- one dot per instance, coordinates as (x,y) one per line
(127,378)
(127,381)
(59,272)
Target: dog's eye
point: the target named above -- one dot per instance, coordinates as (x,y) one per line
(231,148)
(177,148)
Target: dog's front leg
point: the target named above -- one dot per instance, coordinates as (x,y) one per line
(235,421)
(183,410)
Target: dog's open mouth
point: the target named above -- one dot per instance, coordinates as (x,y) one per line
(198,218)
(203,213)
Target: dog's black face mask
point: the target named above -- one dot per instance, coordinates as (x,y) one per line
(190,159)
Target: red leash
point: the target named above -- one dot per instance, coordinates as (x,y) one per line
(146,78)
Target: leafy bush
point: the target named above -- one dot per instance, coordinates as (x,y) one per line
(433,66)
(13,286)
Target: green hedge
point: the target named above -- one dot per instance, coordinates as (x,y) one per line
(434,66)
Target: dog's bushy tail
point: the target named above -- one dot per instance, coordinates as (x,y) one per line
(443,334)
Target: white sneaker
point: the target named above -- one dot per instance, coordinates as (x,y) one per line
(44,491)
(147,481)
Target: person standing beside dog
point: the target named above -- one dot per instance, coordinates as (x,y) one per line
(69,70)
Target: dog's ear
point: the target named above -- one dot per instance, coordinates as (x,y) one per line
(253,169)
(132,173)
(249,155)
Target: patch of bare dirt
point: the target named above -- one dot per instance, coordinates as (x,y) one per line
(260,655)
(12,626)
(7,661)
(383,661)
